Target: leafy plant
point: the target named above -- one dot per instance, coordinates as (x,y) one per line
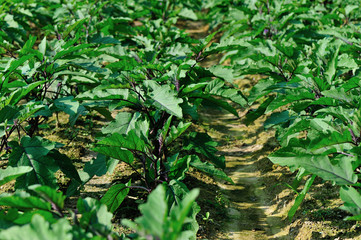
(161,221)
(127,59)
(306,53)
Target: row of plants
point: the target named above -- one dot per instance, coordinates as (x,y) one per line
(309,55)
(110,57)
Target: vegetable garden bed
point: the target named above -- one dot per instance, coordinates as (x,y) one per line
(180,119)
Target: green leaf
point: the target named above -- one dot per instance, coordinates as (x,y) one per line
(70,50)
(115,196)
(20,93)
(154,214)
(42,46)
(340,172)
(49,195)
(208,168)
(202,143)
(330,139)
(124,122)
(33,152)
(332,65)
(22,202)
(97,166)
(253,115)
(224,72)
(39,229)
(157,222)
(188,13)
(352,200)
(178,166)
(16,63)
(102,92)
(130,141)
(214,101)
(66,165)
(300,197)
(117,146)
(164,98)
(218,88)
(115,152)
(71,107)
(73,27)
(179,214)
(10,173)
(278,118)
(175,132)
(176,192)
(94,215)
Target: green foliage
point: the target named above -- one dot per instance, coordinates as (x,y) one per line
(308,55)
(106,56)
(39,213)
(161,221)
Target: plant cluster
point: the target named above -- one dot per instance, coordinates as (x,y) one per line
(123,58)
(111,57)
(309,55)
(129,62)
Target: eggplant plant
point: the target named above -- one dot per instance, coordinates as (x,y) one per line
(308,54)
(130,63)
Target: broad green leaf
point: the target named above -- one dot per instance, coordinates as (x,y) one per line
(202,143)
(188,13)
(164,98)
(130,141)
(49,195)
(214,101)
(20,93)
(39,229)
(255,114)
(332,65)
(73,27)
(65,164)
(330,139)
(16,63)
(180,213)
(178,166)
(340,172)
(8,113)
(71,50)
(26,217)
(352,201)
(33,152)
(22,202)
(71,107)
(154,213)
(218,88)
(124,122)
(175,132)
(176,192)
(278,118)
(223,72)
(209,169)
(104,93)
(94,214)
(115,152)
(11,173)
(115,196)
(192,87)
(95,167)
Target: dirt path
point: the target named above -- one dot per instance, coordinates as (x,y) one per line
(250,208)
